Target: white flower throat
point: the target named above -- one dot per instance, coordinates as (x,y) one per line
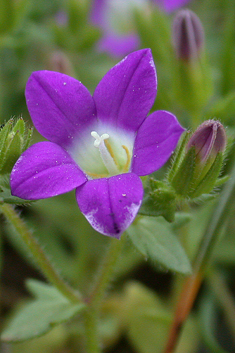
(107,153)
(102,155)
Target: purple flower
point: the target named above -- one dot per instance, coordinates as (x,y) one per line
(115,19)
(170,5)
(99,145)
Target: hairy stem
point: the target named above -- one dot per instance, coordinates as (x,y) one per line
(105,274)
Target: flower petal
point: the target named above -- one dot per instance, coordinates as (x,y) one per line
(111,204)
(118,45)
(126,93)
(45,170)
(155,141)
(59,105)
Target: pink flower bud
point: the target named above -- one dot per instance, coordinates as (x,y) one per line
(209,139)
(187,35)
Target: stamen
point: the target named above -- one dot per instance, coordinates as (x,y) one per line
(104,152)
(126,166)
(109,148)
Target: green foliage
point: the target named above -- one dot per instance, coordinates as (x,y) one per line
(49,308)
(222,108)
(159,200)
(155,240)
(14,139)
(147,319)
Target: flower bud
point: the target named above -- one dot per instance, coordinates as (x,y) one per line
(188,35)
(209,139)
(14,140)
(201,161)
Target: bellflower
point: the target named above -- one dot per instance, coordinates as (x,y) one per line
(115,19)
(98,145)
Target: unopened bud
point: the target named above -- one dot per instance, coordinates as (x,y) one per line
(188,35)
(209,139)
(14,140)
(200,161)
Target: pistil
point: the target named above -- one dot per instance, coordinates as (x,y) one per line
(104,153)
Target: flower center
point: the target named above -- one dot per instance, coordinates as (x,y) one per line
(100,154)
(105,154)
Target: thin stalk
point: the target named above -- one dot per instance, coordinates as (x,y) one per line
(91,315)
(183,308)
(39,256)
(202,259)
(106,272)
(91,320)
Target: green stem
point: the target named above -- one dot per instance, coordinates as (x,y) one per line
(40,258)
(91,321)
(106,271)
(91,315)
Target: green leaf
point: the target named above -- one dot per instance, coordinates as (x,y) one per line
(37,317)
(155,240)
(146,317)
(181,218)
